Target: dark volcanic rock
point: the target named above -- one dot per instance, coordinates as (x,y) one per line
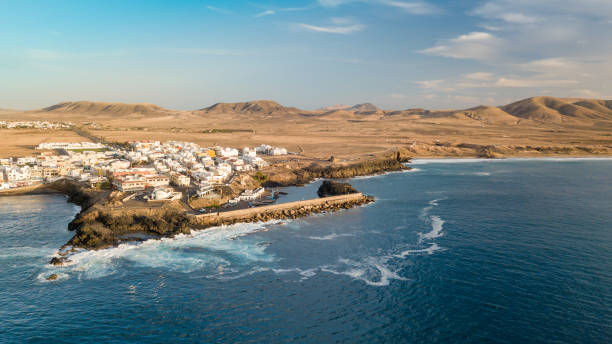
(332,188)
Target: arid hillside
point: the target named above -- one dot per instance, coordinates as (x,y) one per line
(257,107)
(540,126)
(101,108)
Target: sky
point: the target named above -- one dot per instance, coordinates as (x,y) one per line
(396,54)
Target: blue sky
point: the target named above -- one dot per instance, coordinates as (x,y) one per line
(309,54)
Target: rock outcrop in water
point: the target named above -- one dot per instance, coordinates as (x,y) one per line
(333,188)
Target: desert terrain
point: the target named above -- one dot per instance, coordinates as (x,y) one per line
(539,126)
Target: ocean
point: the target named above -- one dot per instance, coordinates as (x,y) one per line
(461,251)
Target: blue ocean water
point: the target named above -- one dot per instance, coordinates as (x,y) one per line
(515,251)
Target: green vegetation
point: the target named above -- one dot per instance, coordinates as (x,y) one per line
(81,150)
(260,177)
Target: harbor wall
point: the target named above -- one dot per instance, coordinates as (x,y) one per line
(321,203)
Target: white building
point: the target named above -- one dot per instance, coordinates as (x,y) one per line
(249,195)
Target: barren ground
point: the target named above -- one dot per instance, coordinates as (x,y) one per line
(320,138)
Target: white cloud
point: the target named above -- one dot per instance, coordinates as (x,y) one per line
(554,64)
(335,29)
(532,83)
(494,10)
(479,76)
(474,45)
(473,36)
(437,85)
(265,13)
(412,7)
(333,3)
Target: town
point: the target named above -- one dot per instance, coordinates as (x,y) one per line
(148,170)
(35,125)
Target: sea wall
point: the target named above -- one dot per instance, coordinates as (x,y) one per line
(282,211)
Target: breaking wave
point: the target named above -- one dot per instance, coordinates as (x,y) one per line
(218,251)
(236,251)
(372,271)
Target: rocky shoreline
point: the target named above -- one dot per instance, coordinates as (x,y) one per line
(100,225)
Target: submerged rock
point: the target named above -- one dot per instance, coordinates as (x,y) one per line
(57,261)
(332,188)
(52,277)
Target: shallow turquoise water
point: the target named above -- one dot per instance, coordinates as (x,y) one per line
(499,251)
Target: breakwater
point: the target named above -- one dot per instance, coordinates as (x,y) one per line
(101,227)
(283,211)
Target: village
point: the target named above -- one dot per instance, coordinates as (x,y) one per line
(35,125)
(144,171)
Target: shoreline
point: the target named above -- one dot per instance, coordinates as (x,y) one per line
(98,226)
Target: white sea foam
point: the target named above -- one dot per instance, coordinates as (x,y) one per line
(42,277)
(214,249)
(372,271)
(428,250)
(330,236)
(436,229)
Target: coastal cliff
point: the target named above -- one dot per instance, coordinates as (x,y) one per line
(390,162)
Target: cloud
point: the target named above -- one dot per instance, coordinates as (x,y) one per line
(412,7)
(495,10)
(473,36)
(554,64)
(436,85)
(265,13)
(342,26)
(532,83)
(474,45)
(479,76)
(333,3)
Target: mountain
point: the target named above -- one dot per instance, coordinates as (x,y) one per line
(365,107)
(256,107)
(550,109)
(544,110)
(335,107)
(489,114)
(102,108)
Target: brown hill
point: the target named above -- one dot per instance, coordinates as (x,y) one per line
(102,108)
(365,107)
(550,109)
(488,114)
(256,107)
